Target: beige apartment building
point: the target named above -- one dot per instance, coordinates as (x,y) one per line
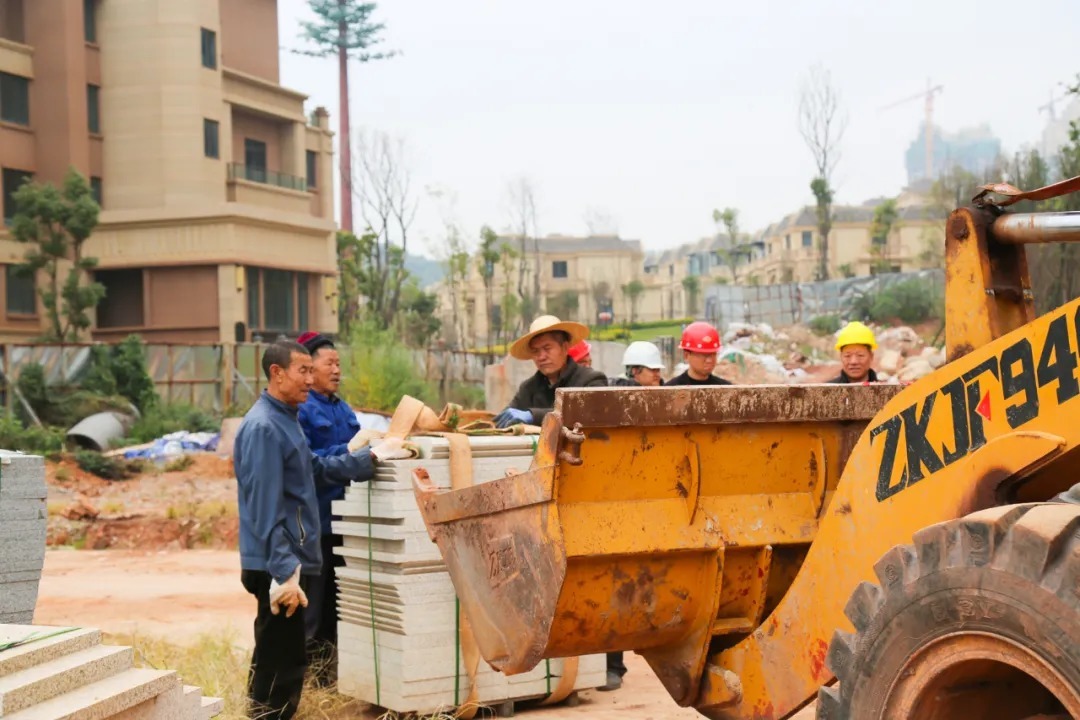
(580,277)
(788,251)
(216,189)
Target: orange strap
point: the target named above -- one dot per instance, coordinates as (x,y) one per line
(1015,195)
(408,413)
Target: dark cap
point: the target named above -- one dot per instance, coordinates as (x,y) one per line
(313,341)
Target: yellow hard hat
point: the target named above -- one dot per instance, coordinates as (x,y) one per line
(855,333)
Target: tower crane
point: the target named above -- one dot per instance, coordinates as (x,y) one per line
(928,97)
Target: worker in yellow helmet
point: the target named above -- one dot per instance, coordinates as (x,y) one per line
(856,345)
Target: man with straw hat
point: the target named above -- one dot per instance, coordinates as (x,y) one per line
(547,344)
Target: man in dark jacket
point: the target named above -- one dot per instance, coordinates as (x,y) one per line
(276,475)
(547,344)
(329,424)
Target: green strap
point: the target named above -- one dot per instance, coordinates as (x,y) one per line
(371,595)
(36,636)
(547,672)
(457,651)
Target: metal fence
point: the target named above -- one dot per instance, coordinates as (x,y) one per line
(800,302)
(212,376)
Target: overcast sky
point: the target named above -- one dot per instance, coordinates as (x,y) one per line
(657,112)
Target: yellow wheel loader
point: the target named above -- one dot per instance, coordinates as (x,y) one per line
(893,552)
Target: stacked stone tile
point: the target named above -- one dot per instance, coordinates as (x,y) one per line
(66,673)
(22,534)
(398,633)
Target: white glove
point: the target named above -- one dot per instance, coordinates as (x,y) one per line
(363,438)
(390,448)
(289,595)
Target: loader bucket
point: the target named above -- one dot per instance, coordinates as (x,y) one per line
(662,522)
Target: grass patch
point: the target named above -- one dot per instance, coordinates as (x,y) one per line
(215,663)
(632,334)
(179,463)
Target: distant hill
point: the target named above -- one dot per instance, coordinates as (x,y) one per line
(426,271)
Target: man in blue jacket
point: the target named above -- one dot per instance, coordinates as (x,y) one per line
(276,476)
(329,424)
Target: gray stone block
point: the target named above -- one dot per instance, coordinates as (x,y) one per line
(17,601)
(22,509)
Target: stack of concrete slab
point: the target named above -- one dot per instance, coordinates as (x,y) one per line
(51,673)
(23,519)
(398,630)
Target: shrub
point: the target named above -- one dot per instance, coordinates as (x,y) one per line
(909,301)
(109,468)
(380,369)
(63,405)
(31,439)
(179,463)
(825,324)
(121,370)
(164,419)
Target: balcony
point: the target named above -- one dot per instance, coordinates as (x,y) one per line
(269,190)
(263,97)
(238,171)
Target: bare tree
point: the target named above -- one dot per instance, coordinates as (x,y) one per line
(521,204)
(383,186)
(822,124)
(599,222)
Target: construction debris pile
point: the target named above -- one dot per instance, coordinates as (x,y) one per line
(751,354)
(399,627)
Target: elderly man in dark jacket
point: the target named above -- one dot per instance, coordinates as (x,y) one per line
(280,548)
(329,424)
(547,344)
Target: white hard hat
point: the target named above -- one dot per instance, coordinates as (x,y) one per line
(643,354)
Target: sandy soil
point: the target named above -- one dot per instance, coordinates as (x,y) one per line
(182,594)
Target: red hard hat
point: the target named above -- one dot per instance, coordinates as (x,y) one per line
(700,337)
(580,350)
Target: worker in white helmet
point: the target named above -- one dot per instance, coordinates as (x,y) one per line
(643,364)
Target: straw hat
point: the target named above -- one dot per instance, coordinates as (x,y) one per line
(546,324)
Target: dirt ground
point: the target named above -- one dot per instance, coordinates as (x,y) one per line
(181,594)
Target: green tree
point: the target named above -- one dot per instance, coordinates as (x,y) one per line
(886,216)
(692,285)
(56,223)
(564,305)
(510,304)
(822,126)
(736,250)
(633,291)
(417,318)
(345,29)
(486,261)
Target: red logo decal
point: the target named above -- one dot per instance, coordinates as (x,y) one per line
(983,408)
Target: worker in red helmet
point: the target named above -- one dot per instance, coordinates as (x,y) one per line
(700,345)
(582,354)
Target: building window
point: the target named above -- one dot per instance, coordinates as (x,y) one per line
(93,109)
(21,293)
(787,242)
(11,180)
(255,160)
(312,169)
(96,191)
(558,269)
(209,49)
(14,99)
(807,239)
(277,300)
(252,281)
(122,306)
(89,21)
(302,301)
(210,138)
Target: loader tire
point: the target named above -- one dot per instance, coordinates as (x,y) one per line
(980,618)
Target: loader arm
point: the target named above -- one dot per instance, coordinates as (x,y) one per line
(719,532)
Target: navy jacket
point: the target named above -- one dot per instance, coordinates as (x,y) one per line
(329,424)
(276,475)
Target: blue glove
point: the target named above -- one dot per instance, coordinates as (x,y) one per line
(512,416)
